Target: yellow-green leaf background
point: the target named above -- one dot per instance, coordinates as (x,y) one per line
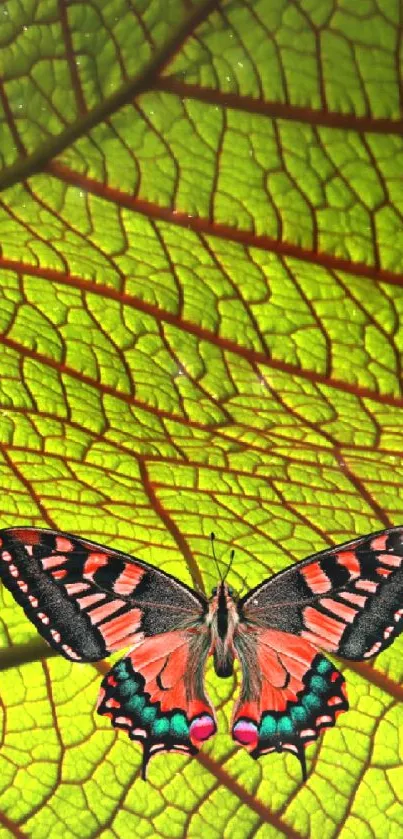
(201,328)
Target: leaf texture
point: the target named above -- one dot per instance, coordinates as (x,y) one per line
(200,328)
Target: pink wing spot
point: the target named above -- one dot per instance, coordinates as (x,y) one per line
(93,562)
(358,599)
(29,549)
(308,732)
(398,615)
(367,585)
(23,586)
(52,561)
(44,618)
(374,649)
(201,729)
(316,578)
(33,601)
(327,628)
(6,556)
(324,720)
(13,570)
(56,635)
(63,545)
(350,561)
(388,631)
(390,559)
(112,703)
(112,681)
(76,588)
(129,579)
(105,611)
(246,733)
(71,652)
(345,612)
(127,721)
(379,543)
(384,572)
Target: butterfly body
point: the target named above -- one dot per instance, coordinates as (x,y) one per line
(88,600)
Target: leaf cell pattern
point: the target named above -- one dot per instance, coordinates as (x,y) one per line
(200,327)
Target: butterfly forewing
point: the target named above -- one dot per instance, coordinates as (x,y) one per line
(347,600)
(88,600)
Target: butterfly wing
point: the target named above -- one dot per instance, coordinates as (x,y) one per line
(88,600)
(346,600)
(156,694)
(290,693)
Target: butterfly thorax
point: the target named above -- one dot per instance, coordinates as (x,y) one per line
(222,620)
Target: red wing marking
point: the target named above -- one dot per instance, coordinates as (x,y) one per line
(63,545)
(101,612)
(367,585)
(358,599)
(325,627)
(121,631)
(28,537)
(128,580)
(58,575)
(75,588)
(52,561)
(163,662)
(345,612)
(350,561)
(93,562)
(90,599)
(316,578)
(379,542)
(390,559)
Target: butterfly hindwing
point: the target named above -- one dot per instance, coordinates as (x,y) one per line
(87,600)
(346,600)
(156,694)
(290,693)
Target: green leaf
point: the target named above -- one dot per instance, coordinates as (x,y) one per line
(200,327)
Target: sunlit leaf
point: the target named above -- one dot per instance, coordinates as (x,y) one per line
(201,327)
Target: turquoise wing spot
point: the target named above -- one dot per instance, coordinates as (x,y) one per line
(299,714)
(285,726)
(312,702)
(149,714)
(318,684)
(136,704)
(128,688)
(323,666)
(268,727)
(179,726)
(160,727)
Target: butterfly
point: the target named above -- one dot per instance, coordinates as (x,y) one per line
(88,600)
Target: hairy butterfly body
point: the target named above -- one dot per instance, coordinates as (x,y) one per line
(88,600)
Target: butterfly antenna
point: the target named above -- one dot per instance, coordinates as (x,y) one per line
(212,537)
(229,566)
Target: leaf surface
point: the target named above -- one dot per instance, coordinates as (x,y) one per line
(200,328)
